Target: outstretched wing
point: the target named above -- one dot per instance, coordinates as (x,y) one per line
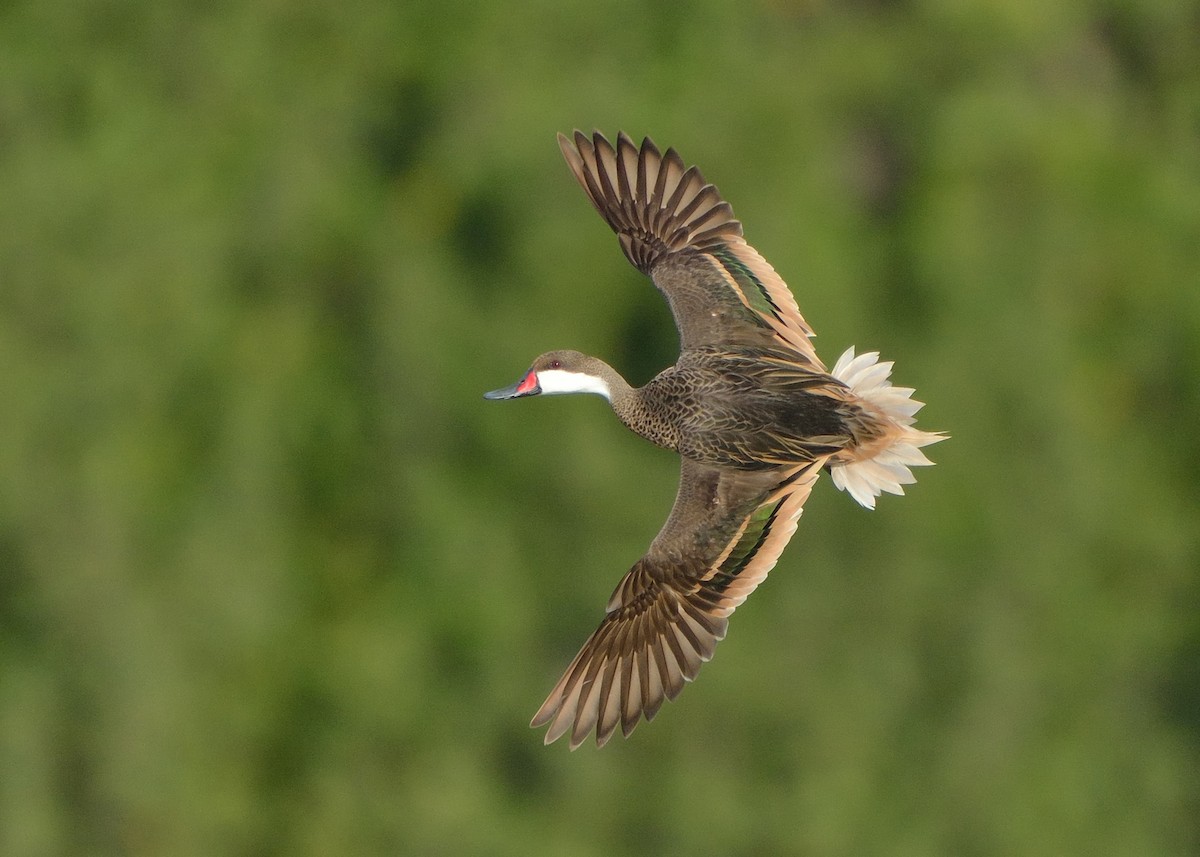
(726,531)
(674,227)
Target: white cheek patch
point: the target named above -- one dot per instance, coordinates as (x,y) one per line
(554,381)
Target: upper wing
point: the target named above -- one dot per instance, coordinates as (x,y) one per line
(726,531)
(675,227)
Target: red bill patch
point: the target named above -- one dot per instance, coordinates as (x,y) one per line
(528,383)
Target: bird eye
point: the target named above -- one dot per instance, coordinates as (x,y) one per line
(555,364)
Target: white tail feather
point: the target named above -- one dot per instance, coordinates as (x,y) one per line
(887,470)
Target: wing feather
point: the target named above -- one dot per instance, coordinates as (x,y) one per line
(667,615)
(667,217)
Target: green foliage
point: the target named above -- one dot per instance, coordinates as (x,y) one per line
(274,579)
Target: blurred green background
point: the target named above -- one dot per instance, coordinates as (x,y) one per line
(274,579)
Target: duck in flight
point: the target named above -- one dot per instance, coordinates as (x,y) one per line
(751,410)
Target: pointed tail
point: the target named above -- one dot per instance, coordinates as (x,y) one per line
(888,469)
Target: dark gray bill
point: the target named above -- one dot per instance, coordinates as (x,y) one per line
(527,386)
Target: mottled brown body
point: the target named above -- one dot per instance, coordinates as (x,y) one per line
(743,407)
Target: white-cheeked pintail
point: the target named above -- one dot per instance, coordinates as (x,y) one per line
(752,411)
